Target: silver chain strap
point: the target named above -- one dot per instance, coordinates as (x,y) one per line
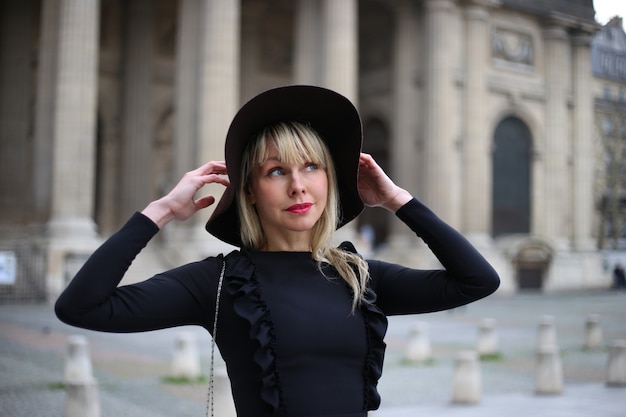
(210,399)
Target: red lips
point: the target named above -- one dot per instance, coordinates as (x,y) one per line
(300,208)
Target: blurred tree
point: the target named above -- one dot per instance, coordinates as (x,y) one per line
(612,131)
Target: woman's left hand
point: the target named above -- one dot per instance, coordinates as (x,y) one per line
(377,189)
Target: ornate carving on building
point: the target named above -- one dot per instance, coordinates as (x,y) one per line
(512,49)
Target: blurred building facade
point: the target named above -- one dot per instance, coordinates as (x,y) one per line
(608,52)
(484,109)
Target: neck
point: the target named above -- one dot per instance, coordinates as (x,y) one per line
(289,243)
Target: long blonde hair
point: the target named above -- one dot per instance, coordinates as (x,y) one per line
(298,143)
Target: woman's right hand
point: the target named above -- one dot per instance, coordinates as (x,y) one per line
(181,203)
(377,189)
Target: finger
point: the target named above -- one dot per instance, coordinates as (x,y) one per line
(215,178)
(204,202)
(366,160)
(212,167)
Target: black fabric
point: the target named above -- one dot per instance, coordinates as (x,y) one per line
(285,330)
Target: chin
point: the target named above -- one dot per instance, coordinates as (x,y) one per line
(302,226)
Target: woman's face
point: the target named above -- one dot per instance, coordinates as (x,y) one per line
(289,199)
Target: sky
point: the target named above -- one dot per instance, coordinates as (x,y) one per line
(606,9)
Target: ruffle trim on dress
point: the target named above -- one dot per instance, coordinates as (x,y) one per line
(376,328)
(249,304)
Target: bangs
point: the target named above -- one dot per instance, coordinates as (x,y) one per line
(295,143)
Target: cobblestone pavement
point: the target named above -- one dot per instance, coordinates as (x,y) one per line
(130,368)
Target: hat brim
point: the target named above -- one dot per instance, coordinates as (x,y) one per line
(330,114)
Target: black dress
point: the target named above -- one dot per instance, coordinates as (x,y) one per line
(291,344)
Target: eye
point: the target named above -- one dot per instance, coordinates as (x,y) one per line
(275,172)
(311,167)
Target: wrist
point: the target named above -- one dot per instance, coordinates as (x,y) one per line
(400,199)
(159,212)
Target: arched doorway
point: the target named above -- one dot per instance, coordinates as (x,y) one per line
(511,178)
(376,143)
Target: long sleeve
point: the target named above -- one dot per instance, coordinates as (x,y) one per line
(466,275)
(93,299)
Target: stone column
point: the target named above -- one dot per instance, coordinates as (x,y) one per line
(64,139)
(186,124)
(557,151)
(341,47)
(217,84)
(219,74)
(136,183)
(440,150)
(338,59)
(68,97)
(307,45)
(46,79)
(583,161)
(476,176)
(16,87)
(404,152)
(186,85)
(207,97)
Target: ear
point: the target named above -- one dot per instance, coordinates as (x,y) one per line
(250,196)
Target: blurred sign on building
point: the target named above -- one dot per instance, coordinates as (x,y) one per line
(8,267)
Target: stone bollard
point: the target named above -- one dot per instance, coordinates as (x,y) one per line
(467,382)
(81,389)
(418,349)
(487,338)
(186,360)
(546,337)
(82,400)
(78,363)
(549,371)
(616,365)
(593,332)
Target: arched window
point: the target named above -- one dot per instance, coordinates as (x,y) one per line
(511,178)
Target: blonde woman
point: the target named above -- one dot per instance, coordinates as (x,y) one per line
(300,322)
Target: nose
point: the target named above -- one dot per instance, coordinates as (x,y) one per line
(296,186)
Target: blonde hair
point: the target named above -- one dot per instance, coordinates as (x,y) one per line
(298,143)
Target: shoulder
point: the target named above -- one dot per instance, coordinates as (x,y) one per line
(348,246)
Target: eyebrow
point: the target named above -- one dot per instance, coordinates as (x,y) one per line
(277,159)
(271,159)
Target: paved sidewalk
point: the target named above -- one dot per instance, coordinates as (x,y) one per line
(129,367)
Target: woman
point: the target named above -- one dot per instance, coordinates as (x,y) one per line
(300,322)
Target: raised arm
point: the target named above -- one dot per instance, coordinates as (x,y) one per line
(466,275)
(93,299)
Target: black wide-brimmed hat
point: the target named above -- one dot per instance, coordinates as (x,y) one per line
(330,114)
